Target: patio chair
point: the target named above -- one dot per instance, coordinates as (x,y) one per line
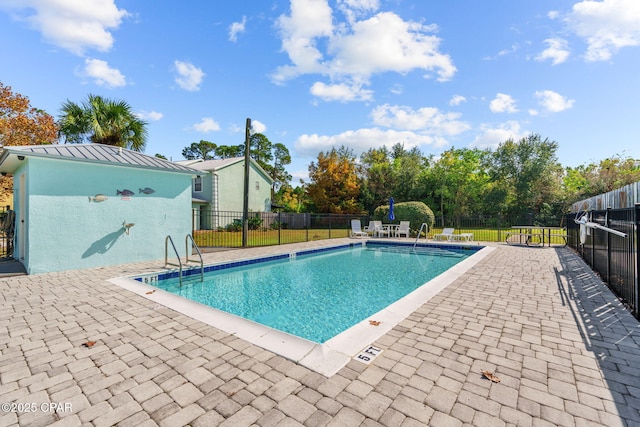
(445,235)
(379,230)
(356,229)
(370,228)
(403,229)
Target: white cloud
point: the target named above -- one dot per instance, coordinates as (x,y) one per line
(385,43)
(427,120)
(153,116)
(309,20)
(606,25)
(189,76)
(71,25)
(491,137)
(457,100)
(363,139)
(340,92)
(552,101)
(503,104)
(237,28)
(207,124)
(102,74)
(422,127)
(258,127)
(350,52)
(354,8)
(557,51)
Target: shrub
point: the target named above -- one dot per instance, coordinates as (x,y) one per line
(255,222)
(414,212)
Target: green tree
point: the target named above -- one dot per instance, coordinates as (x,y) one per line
(377,178)
(200,150)
(526,175)
(103,121)
(292,199)
(334,186)
(278,172)
(457,182)
(271,157)
(407,168)
(229,151)
(608,175)
(22,124)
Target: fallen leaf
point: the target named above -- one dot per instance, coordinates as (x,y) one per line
(150,292)
(374,322)
(490,376)
(89,344)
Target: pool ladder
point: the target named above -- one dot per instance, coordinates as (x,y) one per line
(426,233)
(187,238)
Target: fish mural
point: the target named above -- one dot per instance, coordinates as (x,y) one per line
(125,193)
(146,190)
(98,198)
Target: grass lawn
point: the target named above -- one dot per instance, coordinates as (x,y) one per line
(213,238)
(210,238)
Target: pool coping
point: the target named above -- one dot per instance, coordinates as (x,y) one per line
(327,358)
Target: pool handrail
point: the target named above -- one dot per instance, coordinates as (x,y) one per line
(194,245)
(166,261)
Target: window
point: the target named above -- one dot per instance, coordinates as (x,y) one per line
(197,184)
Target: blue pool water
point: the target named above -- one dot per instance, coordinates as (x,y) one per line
(320,295)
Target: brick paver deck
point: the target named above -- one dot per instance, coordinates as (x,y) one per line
(566,352)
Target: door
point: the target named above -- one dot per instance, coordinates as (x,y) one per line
(21,226)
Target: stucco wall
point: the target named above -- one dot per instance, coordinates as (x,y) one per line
(65,230)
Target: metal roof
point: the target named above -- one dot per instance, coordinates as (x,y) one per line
(97,153)
(217,164)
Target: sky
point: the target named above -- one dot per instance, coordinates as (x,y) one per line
(317,74)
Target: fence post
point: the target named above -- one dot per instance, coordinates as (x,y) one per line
(279,227)
(636,258)
(606,224)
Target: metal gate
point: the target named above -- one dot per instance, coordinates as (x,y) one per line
(7,229)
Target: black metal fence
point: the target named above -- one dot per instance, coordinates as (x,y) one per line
(224,228)
(613,257)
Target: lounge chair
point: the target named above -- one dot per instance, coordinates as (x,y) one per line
(356,229)
(403,229)
(445,235)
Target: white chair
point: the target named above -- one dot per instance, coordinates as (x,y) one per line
(379,230)
(370,228)
(445,235)
(403,229)
(356,229)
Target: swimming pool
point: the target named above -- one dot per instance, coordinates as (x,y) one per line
(309,334)
(317,295)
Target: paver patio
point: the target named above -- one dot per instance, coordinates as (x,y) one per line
(567,353)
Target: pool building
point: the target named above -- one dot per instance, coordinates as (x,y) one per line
(90,205)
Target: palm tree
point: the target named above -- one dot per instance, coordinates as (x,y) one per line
(102,121)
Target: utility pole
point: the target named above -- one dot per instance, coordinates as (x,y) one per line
(247,168)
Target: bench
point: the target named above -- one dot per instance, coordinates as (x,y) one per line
(533,239)
(562,236)
(537,238)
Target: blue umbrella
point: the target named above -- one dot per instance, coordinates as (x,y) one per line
(391,215)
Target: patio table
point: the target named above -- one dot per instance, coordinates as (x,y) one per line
(390,228)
